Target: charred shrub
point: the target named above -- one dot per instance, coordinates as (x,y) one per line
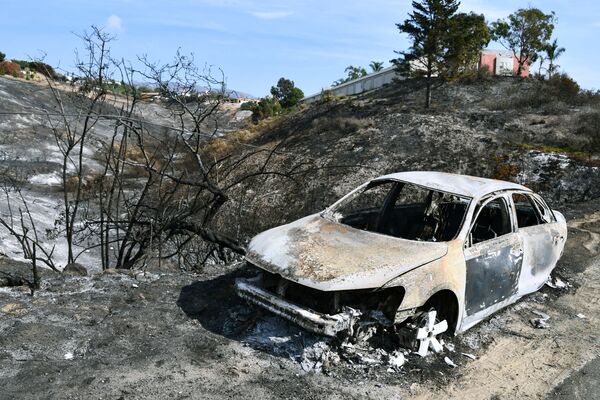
(340,124)
(553,95)
(505,170)
(481,74)
(564,88)
(589,127)
(327,96)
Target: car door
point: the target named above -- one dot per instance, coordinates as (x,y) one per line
(542,240)
(493,255)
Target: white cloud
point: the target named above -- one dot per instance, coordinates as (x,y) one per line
(271,14)
(114,23)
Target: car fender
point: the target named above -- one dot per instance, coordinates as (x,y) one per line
(446,273)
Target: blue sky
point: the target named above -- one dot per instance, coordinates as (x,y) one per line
(257,42)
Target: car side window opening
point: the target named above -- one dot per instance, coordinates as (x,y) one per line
(530,211)
(545,213)
(492,221)
(404,210)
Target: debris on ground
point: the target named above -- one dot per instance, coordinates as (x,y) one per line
(541,322)
(556,283)
(314,356)
(448,361)
(396,359)
(468,355)
(581,316)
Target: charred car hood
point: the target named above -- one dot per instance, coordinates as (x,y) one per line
(327,255)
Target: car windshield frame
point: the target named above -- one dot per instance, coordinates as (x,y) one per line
(330,212)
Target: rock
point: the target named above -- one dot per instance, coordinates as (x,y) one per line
(154,264)
(10,281)
(14,309)
(75,269)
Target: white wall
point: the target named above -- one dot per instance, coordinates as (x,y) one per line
(360,85)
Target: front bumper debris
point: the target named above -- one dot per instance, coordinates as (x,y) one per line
(324,324)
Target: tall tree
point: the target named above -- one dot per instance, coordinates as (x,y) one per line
(468,34)
(553,51)
(427,28)
(526,34)
(352,73)
(376,66)
(287,93)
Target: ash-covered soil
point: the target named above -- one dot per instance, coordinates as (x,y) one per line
(169,334)
(30,154)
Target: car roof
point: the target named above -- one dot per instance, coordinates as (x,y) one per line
(465,185)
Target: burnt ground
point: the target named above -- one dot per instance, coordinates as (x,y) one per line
(157,334)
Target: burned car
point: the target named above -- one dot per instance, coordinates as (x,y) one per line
(430,252)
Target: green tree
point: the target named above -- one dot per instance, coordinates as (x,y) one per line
(2,56)
(467,35)
(427,27)
(265,108)
(286,93)
(552,52)
(352,73)
(376,66)
(526,34)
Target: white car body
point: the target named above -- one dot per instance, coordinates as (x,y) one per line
(469,275)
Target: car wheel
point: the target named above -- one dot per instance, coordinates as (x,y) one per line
(421,334)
